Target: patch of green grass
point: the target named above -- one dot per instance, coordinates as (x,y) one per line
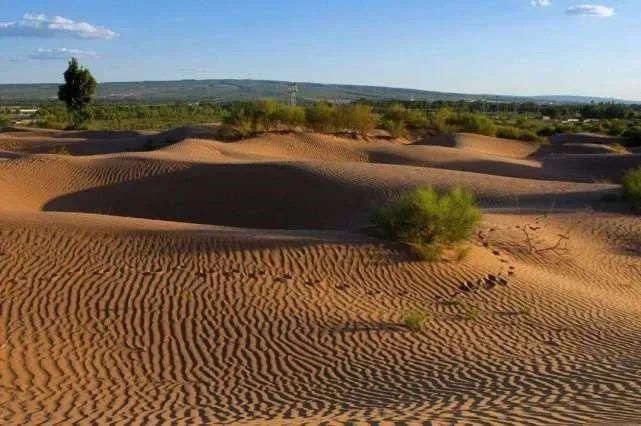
(414,319)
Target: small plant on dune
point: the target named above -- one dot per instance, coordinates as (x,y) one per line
(427,221)
(414,319)
(632,188)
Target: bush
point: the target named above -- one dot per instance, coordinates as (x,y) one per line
(289,115)
(241,118)
(632,188)
(355,118)
(428,222)
(397,119)
(474,123)
(509,132)
(414,319)
(440,120)
(4,122)
(321,117)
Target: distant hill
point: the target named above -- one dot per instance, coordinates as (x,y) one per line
(232,90)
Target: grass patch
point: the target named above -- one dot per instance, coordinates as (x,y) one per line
(414,319)
(632,188)
(428,222)
(61,150)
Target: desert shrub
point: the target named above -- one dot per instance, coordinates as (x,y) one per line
(414,319)
(289,115)
(264,113)
(241,118)
(416,119)
(473,123)
(440,120)
(426,221)
(4,122)
(616,127)
(508,132)
(396,129)
(632,188)
(321,117)
(397,119)
(355,118)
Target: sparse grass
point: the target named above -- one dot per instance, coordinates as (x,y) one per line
(470,313)
(427,221)
(414,319)
(632,188)
(60,150)
(462,252)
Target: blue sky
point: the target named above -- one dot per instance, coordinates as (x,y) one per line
(523,47)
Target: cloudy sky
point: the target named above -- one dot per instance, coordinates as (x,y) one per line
(524,47)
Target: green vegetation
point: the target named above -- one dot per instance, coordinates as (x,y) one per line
(414,319)
(4,122)
(428,222)
(77,92)
(632,188)
(397,119)
(133,117)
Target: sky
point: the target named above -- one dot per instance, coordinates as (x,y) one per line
(512,47)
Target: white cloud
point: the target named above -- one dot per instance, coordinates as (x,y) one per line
(590,10)
(541,3)
(61,54)
(43,26)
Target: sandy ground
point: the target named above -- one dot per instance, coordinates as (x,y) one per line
(209,282)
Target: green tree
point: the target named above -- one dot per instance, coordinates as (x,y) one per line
(77,92)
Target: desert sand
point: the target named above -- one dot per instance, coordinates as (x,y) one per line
(210,282)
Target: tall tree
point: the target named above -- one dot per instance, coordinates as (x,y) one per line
(77,92)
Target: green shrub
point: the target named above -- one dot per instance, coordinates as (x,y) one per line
(397,119)
(474,123)
(440,120)
(632,188)
(414,319)
(396,129)
(508,132)
(241,118)
(321,117)
(289,115)
(428,222)
(355,118)
(4,122)
(616,127)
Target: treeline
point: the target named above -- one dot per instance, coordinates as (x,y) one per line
(245,118)
(133,117)
(603,110)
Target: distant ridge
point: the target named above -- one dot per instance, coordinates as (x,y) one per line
(233,90)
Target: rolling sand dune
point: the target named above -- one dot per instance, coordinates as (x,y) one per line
(129,298)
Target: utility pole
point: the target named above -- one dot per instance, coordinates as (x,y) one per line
(292,90)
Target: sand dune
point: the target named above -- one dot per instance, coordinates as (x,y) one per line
(228,282)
